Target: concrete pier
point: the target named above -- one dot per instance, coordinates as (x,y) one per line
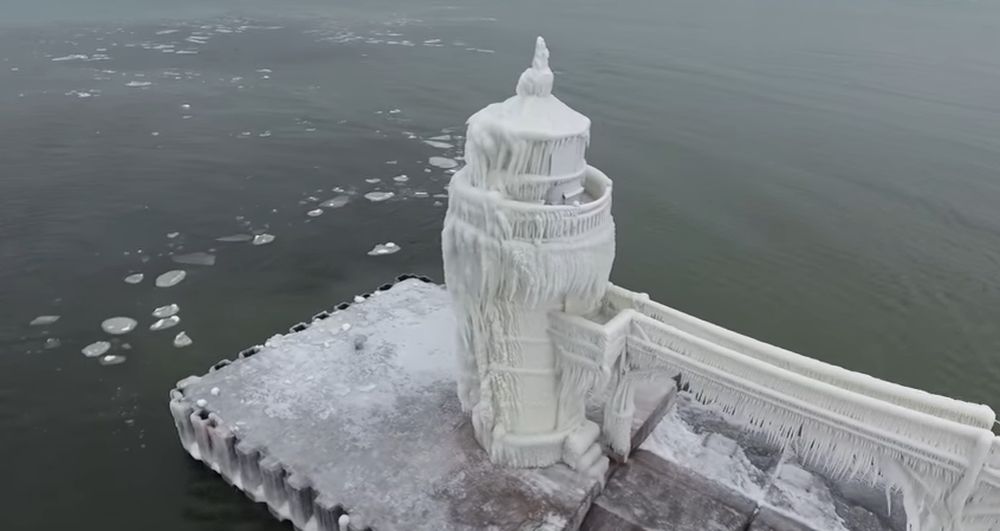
(354,412)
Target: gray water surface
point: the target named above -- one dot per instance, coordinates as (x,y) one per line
(821,175)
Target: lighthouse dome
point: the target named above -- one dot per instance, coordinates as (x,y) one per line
(532,146)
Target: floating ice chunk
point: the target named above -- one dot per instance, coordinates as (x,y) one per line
(315,213)
(170,278)
(182,340)
(264,70)
(343,523)
(185,106)
(186,52)
(345,327)
(198,258)
(163,324)
(420,193)
(51,343)
(263,239)
(138,84)
(395,111)
(167,31)
(112,359)
(95,349)
(118,325)
(440,137)
(442,162)
(173,235)
(166,311)
(401,178)
(43,320)
(392,162)
(375,197)
(336,202)
(438,144)
(155,133)
(201,402)
(215,391)
(234,238)
(359,298)
(373,180)
(386,248)
(265,134)
(73,57)
(432,41)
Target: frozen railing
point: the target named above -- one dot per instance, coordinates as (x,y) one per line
(978,415)
(940,452)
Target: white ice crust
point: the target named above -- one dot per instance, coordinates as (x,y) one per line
(510,258)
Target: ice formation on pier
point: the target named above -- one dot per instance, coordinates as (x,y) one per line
(528,231)
(528,244)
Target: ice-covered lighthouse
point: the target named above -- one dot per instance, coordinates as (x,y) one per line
(528,231)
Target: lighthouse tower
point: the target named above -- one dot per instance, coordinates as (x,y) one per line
(528,232)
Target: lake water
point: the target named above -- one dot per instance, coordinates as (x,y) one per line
(820,175)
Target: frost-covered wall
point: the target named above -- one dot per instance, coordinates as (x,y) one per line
(528,232)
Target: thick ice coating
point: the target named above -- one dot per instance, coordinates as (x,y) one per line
(528,231)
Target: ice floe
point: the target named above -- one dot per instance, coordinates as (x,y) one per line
(336,202)
(442,162)
(375,197)
(165,323)
(72,57)
(119,325)
(314,213)
(235,238)
(182,340)
(401,178)
(138,84)
(95,349)
(263,239)
(166,311)
(199,258)
(112,359)
(43,320)
(51,343)
(170,278)
(373,180)
(384,248)
(438,144)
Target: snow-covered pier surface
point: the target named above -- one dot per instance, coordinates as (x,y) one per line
(356,413)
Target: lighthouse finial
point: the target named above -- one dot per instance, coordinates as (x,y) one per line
(537,80)
(541,60)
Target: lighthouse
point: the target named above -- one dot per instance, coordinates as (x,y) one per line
(528,233)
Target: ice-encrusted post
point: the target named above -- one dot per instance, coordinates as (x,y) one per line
(528,232)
